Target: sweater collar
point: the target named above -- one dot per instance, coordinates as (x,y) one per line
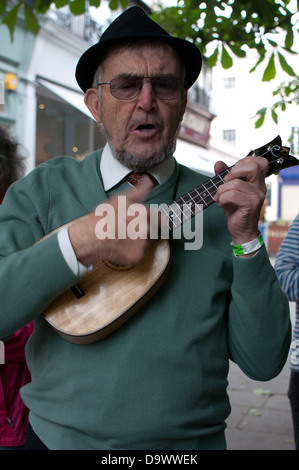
(113,171)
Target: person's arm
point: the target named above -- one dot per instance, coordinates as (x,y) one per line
(287,262)
(33,268)
(32,272)
(259,329)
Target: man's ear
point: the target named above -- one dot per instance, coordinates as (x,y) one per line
(184,104)
(92,102)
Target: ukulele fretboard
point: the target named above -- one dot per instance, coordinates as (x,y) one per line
(191,203)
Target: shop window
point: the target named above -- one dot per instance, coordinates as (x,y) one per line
(63,130)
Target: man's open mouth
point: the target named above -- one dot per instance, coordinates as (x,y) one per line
(146,130)
(145,127)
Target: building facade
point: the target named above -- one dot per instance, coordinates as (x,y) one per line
(238,95)
(46,111)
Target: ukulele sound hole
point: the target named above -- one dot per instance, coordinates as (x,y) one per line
(115,267)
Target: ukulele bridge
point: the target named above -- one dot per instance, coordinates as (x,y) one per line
(78,291)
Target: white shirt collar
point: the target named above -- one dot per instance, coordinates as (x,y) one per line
(113,171)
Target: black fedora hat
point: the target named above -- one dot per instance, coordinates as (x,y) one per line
(134,23)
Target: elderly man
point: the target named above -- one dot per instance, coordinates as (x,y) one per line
(159,380)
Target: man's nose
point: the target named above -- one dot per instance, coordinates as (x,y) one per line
(146,97)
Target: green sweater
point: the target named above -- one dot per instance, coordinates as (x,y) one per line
(160,381)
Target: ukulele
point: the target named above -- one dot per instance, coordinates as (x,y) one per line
(89,311)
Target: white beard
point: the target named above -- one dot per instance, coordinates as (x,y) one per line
(140,164)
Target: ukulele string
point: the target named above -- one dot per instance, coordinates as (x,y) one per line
(176,209)
(208,193)
(96,277)
(196,197)
(100,275)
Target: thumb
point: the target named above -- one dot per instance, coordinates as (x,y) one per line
(219,167)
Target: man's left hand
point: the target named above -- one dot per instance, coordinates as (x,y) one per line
(242,197)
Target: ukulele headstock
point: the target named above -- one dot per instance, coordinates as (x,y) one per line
(278,156)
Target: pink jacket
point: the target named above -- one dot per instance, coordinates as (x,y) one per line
(13,375)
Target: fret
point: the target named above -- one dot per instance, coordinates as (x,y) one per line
(201,196)
(208,198)
(171,219)
(191,203)
(187,201)
(220,176)
(167,224)
(176,212)
(213,188)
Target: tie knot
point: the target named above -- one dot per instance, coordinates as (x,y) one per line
(136,177)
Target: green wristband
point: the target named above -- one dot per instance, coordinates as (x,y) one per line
(249,247)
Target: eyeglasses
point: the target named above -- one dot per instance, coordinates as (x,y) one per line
(128,88)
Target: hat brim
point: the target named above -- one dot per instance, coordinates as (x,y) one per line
(92,58)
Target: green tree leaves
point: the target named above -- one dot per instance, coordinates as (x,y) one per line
(226,60)
(40,7)
(270,70)
(223,29)
(287,93)
(10,19)
(77,7)
(285,66)
(31,20)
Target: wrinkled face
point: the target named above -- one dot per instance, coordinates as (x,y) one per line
(146,126)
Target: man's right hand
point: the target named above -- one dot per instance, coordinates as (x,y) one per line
(90,249)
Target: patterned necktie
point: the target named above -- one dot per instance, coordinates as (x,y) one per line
(136,177)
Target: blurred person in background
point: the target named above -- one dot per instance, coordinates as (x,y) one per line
(11,162)
(14,372)
(287,270)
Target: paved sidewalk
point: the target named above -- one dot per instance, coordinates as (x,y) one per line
(261,416)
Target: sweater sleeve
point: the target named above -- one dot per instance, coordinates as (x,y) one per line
(32,272)
(287,262)
(259,328)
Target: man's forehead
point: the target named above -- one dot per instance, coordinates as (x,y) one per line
(159,57)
